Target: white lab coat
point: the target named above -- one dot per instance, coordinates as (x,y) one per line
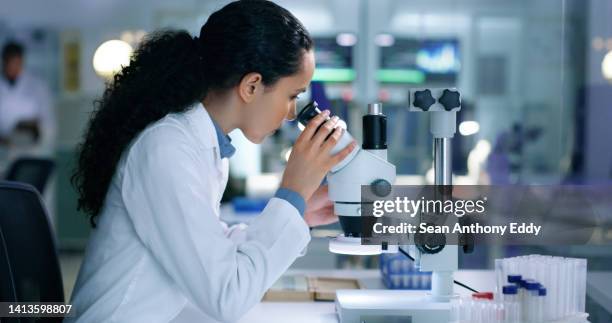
(160,252)
(29,99)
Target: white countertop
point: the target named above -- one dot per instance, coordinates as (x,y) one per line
(324,312)
(599,288)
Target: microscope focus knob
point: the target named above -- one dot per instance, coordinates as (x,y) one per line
(466,240)
(450,99)
(423,99)
(429,243)
(381,187)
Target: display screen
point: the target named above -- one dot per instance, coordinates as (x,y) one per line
(334,63)
(420,61)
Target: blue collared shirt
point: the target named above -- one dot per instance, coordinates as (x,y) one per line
(227,150)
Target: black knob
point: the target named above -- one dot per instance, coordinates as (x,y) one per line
(450,99)
(468,246)
(466,240)
(381,187)
(423,99)
(429,243)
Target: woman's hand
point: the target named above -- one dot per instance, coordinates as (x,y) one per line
(310,159)
(320,209)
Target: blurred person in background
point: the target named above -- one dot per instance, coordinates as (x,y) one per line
(27,119)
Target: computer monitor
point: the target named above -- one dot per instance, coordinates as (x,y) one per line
(419,61)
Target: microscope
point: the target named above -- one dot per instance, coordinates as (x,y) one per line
(367,166)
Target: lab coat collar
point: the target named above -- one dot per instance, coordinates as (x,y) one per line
(24,77)
(6,83)
(203,127)
(10,83)
(226,149)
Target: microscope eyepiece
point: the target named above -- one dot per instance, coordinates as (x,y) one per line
(308,112)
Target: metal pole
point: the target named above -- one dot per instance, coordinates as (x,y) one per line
(443,162)
(442,281)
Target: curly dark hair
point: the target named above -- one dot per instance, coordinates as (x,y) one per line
(171,71)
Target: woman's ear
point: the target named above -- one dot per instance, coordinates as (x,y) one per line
(250,86)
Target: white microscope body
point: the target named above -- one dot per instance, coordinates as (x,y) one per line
(366,165)
(369,166)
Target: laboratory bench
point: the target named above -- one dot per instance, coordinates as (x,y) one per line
(324,312)
(599,288)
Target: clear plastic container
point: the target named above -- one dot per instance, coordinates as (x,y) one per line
(398,272)
(563,278)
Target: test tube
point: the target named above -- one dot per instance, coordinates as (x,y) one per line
(455,316)
(497,310)
(546,263)
(530,299)
(564,282)
(511,305)
(523,299)
(581,277)
(539,317)
(554,288)
(499,275)
(464,313)
(406,281)
(396,280)
(481,307)
(395,264)
(474,311)
(564,278)
(571,291)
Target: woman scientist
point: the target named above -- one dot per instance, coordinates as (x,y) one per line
(153,167)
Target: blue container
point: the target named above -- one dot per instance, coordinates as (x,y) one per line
(399,272)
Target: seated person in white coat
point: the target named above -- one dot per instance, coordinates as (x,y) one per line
(25,103)
(154,164)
